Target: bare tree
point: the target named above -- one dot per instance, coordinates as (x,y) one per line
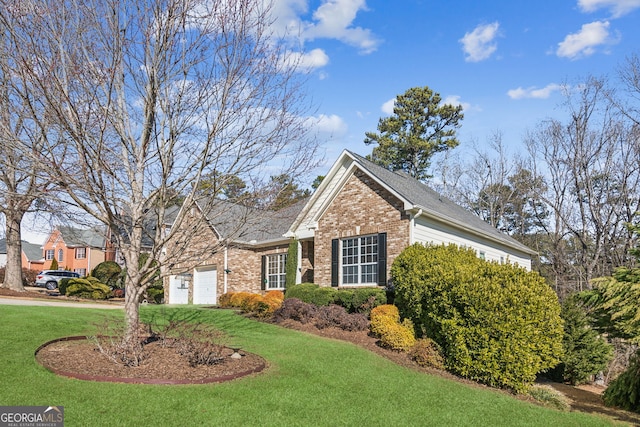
(22,181)
(151,95)
(590,168)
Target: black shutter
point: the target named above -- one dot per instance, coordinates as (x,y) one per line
(382,259)
(335,261)
(263,274)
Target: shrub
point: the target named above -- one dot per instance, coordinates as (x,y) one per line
(225,300)
(89,287)
(624,391)
(312,294)
(295,309)
(238,299)
(63,285)
(383,315)
(29,276)
(360,300)
(385,323)
(585,352)
(427,353)
(497,324)
(155,294)
(109,273)
(337,317)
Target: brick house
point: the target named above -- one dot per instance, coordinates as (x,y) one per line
(78,250)
(349,232)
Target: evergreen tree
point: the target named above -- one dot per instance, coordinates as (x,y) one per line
(420,127)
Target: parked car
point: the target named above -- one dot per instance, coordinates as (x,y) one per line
(51,278)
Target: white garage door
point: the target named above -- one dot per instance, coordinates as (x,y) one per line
(178,290)
(205,281)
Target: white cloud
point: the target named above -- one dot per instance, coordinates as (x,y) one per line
(584,42)
(617,7)
(455,101)
(310,60)
(328,124)
(387,107)
(533,92)
(334,20)
(480,43)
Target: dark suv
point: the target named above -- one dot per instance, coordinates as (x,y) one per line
(51,278)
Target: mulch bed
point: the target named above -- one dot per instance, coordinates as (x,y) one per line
(78,357)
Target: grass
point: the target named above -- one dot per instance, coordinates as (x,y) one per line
(311,381)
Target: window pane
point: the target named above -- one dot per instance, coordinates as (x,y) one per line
(360,260)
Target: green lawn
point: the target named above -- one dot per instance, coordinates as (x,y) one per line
(310,381)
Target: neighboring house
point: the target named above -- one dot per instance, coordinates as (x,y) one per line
(3,252)
(31,255)
(349,232)
(32,258)
(78,250)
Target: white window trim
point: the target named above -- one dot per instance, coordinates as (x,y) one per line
(48,252)
(84,255)
(359,264)
(280,263)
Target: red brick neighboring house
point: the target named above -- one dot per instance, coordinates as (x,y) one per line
(349,232)
(78,250)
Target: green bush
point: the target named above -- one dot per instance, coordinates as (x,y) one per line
(312,294)
(109,273)
(359,300)
(63,285)
(497,324)
(585,352)
(624,391)
(156,294)
(89,288)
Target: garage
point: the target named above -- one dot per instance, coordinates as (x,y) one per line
(179,289)
(205,281)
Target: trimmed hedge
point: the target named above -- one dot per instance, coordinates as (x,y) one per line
(89,287)
(497,324)
(261,306)
(358,300)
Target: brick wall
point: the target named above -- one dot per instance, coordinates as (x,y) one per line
(362,207)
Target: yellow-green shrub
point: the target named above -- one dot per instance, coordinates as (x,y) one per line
(497,324)
(385,323)
(383,315)
(88,288)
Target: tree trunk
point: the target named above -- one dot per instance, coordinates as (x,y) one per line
(13,272)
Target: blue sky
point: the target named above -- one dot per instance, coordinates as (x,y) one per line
(504,61)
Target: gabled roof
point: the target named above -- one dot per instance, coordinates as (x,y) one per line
(32,251)
(247,225)
(416,196)
(76,237)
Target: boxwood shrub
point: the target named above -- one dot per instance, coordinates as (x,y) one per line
(497,324)
(359,300)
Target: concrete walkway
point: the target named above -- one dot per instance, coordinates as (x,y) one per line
(42,302)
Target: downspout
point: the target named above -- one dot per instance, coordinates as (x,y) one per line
(89,262)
